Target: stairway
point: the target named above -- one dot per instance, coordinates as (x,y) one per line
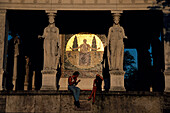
(2,104)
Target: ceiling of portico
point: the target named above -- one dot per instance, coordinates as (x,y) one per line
(139,25)
(78,4)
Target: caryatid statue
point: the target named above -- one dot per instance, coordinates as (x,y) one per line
(51,45)
(115,49)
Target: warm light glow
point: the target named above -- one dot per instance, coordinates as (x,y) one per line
(88,37)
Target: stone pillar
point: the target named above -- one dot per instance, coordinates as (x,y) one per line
(2,38)
(115,66)
(5,54)
(33,81)
(26,82)
(48,72)
(16,54)
(166,32)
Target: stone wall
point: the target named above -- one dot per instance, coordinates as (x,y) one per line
(63,102)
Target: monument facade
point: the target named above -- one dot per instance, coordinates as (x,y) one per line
(87,59)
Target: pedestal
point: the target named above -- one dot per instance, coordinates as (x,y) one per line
(49,80)
(167,80)
(117,80)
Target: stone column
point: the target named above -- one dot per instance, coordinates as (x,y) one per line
(33,81)
(166,32)
(2,38)
(116,53)
(16,54)
(26,82)
(49,69)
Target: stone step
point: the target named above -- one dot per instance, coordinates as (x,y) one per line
(85,105)
(2,104)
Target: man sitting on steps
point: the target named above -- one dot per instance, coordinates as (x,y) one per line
(72,82)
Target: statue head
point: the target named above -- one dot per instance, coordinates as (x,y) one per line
(116,18)
(85,41)
(51,17)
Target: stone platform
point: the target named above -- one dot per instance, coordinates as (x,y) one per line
(63,102)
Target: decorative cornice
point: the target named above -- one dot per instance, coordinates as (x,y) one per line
(51,11)
(48,71)
(2,11)
(116,11)
(117,72)
(77,5)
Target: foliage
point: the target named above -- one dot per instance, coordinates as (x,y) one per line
(131,70)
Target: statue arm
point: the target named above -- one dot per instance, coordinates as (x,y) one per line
(44,34)
(123,33)
(75,48)
(94,48)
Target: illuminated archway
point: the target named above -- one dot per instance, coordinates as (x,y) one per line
(88,37)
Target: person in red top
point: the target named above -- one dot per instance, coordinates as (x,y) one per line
(72,82)
(96,87)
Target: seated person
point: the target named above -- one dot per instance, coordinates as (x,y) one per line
(96,87)
(72,82)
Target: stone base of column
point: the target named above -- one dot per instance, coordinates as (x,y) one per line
(49,80)
(117,80)
(14,83)
(167,80)
(63,84)
(25,86)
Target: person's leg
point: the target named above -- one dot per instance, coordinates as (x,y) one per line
(72,88)
(77,93)
(94,95)
(91,94)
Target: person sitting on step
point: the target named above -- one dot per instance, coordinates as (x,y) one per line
(96,87)
(72,82)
